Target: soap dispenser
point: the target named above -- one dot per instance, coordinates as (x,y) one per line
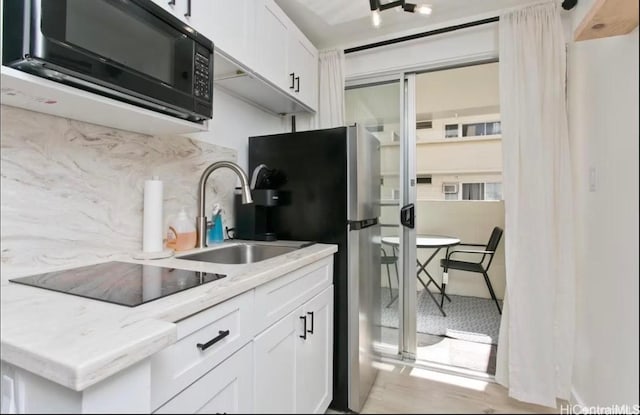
(215,232)
(182,232)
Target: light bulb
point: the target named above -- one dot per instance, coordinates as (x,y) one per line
(423,9)
(375,18)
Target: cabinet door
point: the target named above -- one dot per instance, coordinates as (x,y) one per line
(303,63)
(272,43)
(315,356)
(228,388)
(231,27)
(200,16)
(275,365)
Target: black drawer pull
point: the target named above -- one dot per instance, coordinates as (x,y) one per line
(311,314)
(304,331)
(221,335)
(293,80)
(298,84)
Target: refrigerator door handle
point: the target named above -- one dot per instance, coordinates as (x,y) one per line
(408,216)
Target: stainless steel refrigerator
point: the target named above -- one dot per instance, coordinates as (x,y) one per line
(332,188)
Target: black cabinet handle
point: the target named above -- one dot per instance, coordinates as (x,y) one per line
(311,314)
(172,2)
(221,335)
(188,13)
(293,80)
(298,84)
(304,331)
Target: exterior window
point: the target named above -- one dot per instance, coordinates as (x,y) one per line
(493,191)
(470,130)
(481,128)
(493,128)
(482,191)
(472,191)
(423,179)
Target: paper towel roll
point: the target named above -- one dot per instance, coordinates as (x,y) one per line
(152,232)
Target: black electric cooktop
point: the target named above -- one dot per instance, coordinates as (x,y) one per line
(120,282)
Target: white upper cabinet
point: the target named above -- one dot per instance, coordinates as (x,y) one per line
(266,46)
(230,25)
(268,60)
(303,68)
(272,30)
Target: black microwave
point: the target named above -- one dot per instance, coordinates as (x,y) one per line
(130,50)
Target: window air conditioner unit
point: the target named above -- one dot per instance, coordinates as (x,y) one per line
(449,187)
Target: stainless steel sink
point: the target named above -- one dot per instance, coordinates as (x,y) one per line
(243,253)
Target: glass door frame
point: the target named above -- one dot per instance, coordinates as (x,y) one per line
(407,250)
(407,303)
(408,196)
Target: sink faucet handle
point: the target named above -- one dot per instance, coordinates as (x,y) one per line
(201,219)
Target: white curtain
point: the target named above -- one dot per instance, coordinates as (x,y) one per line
(330,89)
(535,349)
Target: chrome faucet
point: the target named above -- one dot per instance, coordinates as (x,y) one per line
(201,220)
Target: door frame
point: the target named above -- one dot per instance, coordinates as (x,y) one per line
(408,194)
(407,304)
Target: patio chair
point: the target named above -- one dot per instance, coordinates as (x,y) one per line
(489,250)
(387,260)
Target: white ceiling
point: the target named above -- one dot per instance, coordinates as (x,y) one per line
(347,23)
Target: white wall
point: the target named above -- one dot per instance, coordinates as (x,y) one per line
(603,111)
(91,179)
(455,90)
(467,45)
(234,121)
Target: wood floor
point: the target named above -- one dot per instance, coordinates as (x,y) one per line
(405,389)
(464,354)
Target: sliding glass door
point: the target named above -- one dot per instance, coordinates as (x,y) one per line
(377,107)
(385,108)
(457,151)
(441,174)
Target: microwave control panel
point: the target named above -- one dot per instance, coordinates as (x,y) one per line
(201,81)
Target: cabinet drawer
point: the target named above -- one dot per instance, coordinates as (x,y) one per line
(228,388)
(179,365)
(279,297)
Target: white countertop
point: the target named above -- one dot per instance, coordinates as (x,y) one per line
(77,342)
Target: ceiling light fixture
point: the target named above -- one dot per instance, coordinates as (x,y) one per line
(377,7)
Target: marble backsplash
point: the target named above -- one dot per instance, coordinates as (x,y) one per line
(72,192)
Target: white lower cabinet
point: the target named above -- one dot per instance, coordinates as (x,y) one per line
(267,350)
(314,357)
(293,360)
(228,388)
(204,340)
(275,366)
